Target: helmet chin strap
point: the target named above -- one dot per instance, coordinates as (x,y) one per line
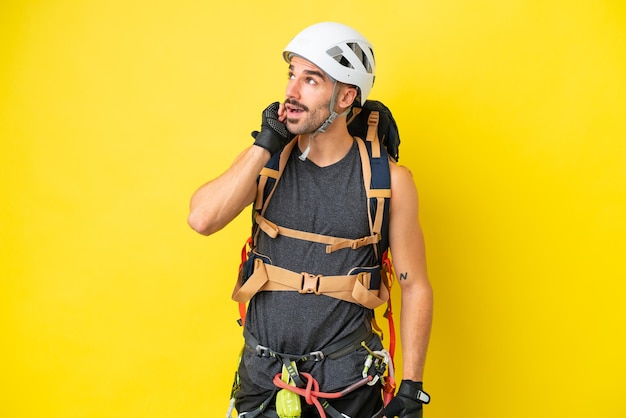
(333,115)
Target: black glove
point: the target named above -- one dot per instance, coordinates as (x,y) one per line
(408,401)
(274,134)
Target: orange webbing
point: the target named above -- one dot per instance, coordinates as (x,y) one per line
(389,386)
(244,258)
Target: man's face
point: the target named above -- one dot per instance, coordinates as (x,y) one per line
(309,91)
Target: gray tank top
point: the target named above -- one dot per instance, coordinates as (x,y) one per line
(324,200)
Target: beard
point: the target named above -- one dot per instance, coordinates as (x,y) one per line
(310,119)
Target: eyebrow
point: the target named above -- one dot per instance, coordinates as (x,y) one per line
(311,72)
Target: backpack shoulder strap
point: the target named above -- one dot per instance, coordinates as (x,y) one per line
(377,180)
(379,200)
(267,182)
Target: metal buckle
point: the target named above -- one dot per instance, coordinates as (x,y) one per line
(423,397)
(316,356)
(263,351)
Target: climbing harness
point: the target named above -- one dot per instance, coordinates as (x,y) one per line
(350,343)
(293,385)
(303,384)
(369,287)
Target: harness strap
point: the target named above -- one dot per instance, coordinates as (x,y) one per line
(262,409)
(353,288)
(346,345)
(338,349)
(330,411)
(333,243)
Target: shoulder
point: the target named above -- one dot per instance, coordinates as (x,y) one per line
(401,177)
(403,189)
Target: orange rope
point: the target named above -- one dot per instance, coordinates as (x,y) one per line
(244,258)
(311,392)
(389,387)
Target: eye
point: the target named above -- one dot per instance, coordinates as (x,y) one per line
(311,81)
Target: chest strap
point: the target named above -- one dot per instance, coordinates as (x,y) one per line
(353,288)
(332,243)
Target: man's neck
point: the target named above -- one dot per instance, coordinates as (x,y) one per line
(328,147)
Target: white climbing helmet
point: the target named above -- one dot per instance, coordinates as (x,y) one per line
(342,52)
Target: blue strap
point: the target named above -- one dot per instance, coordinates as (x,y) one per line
(381,180)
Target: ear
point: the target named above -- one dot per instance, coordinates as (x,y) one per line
(346,96)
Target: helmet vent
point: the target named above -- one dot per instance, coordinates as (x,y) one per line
(337,54)
(356,48)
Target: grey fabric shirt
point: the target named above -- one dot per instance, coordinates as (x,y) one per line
(325,200)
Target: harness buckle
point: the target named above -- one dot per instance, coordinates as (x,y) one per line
(262,351)
(316,356)
(310,283)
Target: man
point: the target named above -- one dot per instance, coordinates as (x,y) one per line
(321,192)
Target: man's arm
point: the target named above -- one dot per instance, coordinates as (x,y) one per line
(409,260)
(219,201)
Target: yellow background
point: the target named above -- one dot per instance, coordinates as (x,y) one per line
(112,113)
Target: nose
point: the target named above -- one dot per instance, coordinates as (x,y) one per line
(292,91)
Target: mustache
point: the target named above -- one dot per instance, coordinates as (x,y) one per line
(297,104)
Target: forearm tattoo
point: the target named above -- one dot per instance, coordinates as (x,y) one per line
(404,276)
